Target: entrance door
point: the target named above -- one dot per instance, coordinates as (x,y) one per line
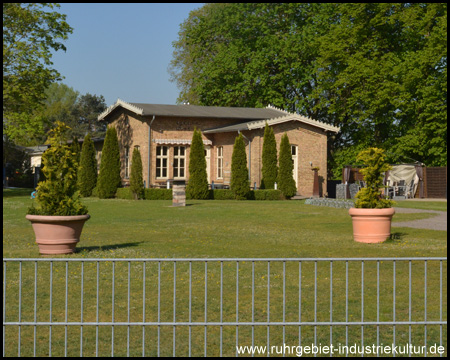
(294,152)
(208,162)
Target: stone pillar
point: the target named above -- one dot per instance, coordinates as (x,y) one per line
(179,193)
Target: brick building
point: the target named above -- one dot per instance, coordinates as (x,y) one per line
(163,134)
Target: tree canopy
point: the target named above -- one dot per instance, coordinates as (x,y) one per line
(376,70)
(31,32)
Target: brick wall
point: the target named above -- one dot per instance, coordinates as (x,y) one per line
(133,131)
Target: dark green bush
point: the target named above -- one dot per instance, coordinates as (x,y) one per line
(286,182)
(267,195)
(136,181)
(197,187)
(221,194)
(158,194)
(269,159)
(239,171)
(109,178)
(124,193)
(87,172)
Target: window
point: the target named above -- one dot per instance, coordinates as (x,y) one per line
(220,162)
(179,161)
(127,162)
(162,158)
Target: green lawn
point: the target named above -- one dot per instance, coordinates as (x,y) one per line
(212,229)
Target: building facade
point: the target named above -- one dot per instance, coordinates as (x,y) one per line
(163,134)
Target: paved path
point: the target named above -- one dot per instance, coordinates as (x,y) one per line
(438,222)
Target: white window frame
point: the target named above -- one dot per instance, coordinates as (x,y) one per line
(164,162)
(220,162)
(178,159)
(127,162)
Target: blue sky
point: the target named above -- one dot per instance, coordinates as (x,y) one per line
(122,50)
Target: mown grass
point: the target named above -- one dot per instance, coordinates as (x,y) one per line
(217,229)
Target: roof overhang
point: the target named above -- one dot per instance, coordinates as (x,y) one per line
(123,104)
(251,125)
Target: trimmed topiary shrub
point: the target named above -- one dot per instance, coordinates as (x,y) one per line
(268,194)
(239,171)
(136,180)
(197,187)
(87,172)
(158,194)
(286,182)
(109,178)
(124,193)
(269,159)
(222,194)
(58,194)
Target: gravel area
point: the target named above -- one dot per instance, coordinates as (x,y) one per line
(437,222)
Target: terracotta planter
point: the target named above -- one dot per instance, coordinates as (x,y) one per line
(371,225)
(57,234)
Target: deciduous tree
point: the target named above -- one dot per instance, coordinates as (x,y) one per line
(31,32)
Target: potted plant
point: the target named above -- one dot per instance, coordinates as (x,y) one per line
(59,216)
(372,213)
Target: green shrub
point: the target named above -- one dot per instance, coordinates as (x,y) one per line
(158,194)
(222,194)
(87,172)
(109,178)
(269,159)
(197,187)
(58,194)
(239,171)
(136,180)
(125,193)
(286,182)
(370,196)
(267,195)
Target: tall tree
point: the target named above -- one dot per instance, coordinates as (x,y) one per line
(377,70)
(269,159)
(286,182)
(197,186)
(109,178)
(85,113)
(87,172)
(30,34)
(136,179)
(239,172)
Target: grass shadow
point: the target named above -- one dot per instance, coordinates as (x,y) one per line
(107,247)
(395,238)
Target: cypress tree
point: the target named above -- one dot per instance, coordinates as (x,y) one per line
(197,186)
(286,182)
(269,159)
(136,180)
(109,178)
(239,171)
(87,173)
(75,148)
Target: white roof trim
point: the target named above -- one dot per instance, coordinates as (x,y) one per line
(179,141)
(125,105)
(291,117)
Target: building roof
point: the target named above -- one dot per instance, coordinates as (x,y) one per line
(256,117)
(250,125)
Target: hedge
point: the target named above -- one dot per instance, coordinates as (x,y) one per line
(216,194)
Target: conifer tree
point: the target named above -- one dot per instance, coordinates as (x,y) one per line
(197,186)
(136,179)
(269,159)
(239,171)
(87,172)
(286,182)
(109,178)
